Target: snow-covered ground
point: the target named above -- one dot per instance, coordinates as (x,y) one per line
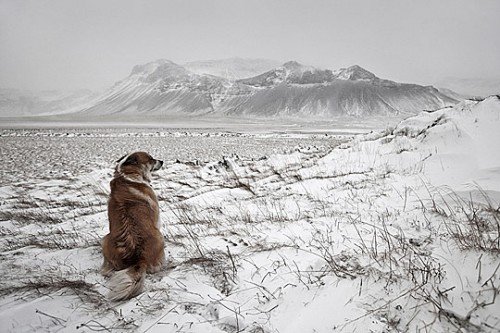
(390,231)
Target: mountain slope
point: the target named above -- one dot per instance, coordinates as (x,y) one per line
(340,98)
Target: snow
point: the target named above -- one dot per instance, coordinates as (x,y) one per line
(463,148)
(390,231)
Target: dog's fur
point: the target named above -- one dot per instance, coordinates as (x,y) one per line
(134,244)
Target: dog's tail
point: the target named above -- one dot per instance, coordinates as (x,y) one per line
(127,283)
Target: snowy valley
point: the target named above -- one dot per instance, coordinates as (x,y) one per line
(388,231)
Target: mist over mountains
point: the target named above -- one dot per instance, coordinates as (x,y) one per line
(232,68)
(17,102)
(472,86)
(248,87)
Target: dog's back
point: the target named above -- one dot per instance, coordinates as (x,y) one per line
(134,244)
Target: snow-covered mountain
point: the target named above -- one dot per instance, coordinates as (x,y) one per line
(472,86)
(290,72)
(458,96)
(232,68)
(162,87)
(18,103)
(296,90)
(290,90)
(355,73)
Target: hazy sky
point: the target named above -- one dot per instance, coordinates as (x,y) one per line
(65,44)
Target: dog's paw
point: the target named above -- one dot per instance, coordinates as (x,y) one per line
(106,269)
(154,269)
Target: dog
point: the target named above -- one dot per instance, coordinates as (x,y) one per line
(134,244)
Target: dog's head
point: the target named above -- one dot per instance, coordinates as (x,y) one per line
(138,162)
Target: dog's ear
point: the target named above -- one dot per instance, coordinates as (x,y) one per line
(131,160)
(121,158)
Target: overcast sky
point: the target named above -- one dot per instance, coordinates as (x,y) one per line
(66,44)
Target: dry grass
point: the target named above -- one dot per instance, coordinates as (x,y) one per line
(473,224)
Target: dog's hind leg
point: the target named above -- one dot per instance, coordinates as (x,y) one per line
(156,268)
(157,262)
(106,267)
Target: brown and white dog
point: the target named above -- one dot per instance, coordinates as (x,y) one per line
(134,244)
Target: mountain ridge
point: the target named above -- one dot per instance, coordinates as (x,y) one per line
(163,87)
(290,90)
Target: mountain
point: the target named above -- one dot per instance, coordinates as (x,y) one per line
(453,94)
(294,90)
(19,103)
(232,68)
(292,73)
(472,86)
(162,87)
(355,73)
(291,90)
(358,73)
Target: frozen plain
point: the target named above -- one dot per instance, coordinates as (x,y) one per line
(394,230)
